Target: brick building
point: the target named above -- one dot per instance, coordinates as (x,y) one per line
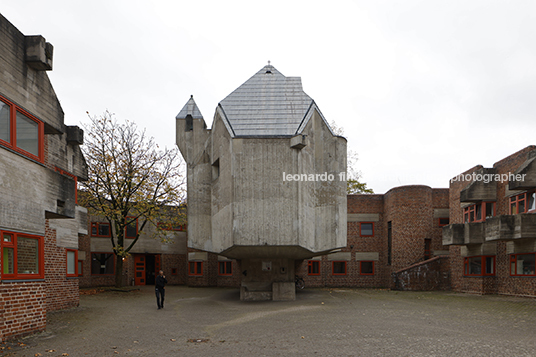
(40,164)
(389,236)
(492,237)
(182,265)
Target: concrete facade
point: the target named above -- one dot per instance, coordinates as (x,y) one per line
(241,203)
(40,165)
(494,250)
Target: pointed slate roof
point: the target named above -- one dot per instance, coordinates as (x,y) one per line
(190,108)
(267,104)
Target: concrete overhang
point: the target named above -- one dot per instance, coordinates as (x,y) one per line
(480,189)
(511,227)
(528,173)
(267,252)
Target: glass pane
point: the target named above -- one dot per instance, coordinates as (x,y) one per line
(521,204)
(8,237)
(27,134)
(489,265)
(131,230)
(525,264)
(102,263)
(489,209)
(104,230)
(79,267)
(4,122)
(513,208)
(475,266)
(366,229)
(71,263)
(7,261)
(27,256)
(472,216)
(532,201)
(339,267)
(479,212)
(367,267)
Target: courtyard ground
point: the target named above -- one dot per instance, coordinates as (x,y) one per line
(322,322)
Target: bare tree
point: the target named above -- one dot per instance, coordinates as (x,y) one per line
(131,181)
(353,175)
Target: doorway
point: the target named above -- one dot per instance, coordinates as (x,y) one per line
(146,267)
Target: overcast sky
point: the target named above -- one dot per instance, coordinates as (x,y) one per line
(423,89)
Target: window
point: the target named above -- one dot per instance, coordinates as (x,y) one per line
(173,271)
(80,268)
(72,262)
(22,256)
(99,229)
(522,264)
(479,266)
(131,228)
(313,267)
(225,268)
(216,169)
(102,264)
(195,268)
(366,267)
(478,212)
(366,229)
(20,131)
(427,246)
(523,203)
(443,222)
(389,242)
(339,268)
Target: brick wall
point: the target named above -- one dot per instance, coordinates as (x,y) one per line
(410,209)
(61,292)
(502,282)
(22,309)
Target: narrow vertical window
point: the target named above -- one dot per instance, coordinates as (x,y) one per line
(5,118)
(389,242)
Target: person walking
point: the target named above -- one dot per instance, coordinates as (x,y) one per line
(160,289)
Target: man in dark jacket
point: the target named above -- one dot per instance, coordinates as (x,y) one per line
(160,289)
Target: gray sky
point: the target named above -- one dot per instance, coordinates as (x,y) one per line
(423,89)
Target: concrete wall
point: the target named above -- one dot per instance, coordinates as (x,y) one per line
(38,192)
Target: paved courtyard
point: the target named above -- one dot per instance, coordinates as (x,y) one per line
(322,322)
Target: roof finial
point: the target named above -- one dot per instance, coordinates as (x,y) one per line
(268,62)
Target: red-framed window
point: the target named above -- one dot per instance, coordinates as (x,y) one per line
(21,131)
(80,268)
(366,229)
(22,256)
(441,222)
(313,267)
(338,267)
(195,268)
(366,267)
(102,264)
(165,226)
(225,268)
(131,227)
(523,264)
(523,203)
(100,229)
(478,212)
(71,262)
(481,265)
